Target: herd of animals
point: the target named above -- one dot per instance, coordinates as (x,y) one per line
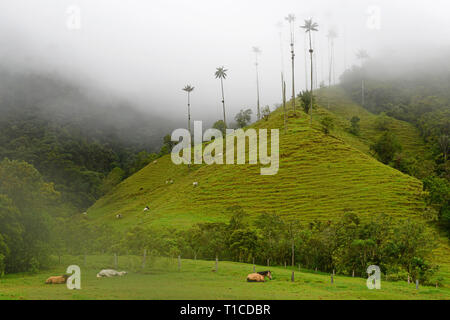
(109,273)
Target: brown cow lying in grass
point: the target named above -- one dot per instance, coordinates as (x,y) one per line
(57,280)
(259,277)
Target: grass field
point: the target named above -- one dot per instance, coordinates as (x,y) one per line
(161,280)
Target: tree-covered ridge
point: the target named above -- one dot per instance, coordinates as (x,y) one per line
(73,138)
(418,96)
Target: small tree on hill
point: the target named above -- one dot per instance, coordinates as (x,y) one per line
(243,118)
(219,125)
(265,112)
(305,99)
(386,147)
(354,125)
(327,124)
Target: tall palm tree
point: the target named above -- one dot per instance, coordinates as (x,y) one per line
(363,56)
(332,34)
(291,19)
(283,84)
(221,73)
(257,52)
(189,89)
(309,27)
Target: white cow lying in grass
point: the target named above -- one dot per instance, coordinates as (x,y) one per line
(108,273)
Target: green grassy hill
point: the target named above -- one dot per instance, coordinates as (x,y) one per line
(320,177)
(342,109)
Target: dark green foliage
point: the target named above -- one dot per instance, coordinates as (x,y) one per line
(243,118)
(265,113)
(347,245)
(74,137)
(24,223)
(419,96)
(219,125)
(327,124)
(386,147)
(382,122)
(354,125)
(305,100)
(439,198)
(167,145)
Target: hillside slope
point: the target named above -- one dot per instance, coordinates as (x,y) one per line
(320,177)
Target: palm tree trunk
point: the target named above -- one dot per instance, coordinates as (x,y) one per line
(257,91)
(284,102)
(311,54)
(189,113)
(223,104)
(293,77)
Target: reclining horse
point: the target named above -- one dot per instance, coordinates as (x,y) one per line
(57,280)
(259,277)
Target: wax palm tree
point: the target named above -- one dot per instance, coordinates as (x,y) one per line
(291,19)
(332,34)
(363,56)
(189,89)
(283,84)
(257,52)
(309,27)
(221,73)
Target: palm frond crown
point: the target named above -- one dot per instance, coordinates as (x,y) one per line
(310,25)
(188,88)
(221,73)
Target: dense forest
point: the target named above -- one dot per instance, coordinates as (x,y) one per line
(83,142)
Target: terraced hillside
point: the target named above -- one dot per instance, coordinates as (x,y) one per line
(342,109)
(320,177)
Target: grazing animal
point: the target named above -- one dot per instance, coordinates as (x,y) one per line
(259,277)
(108,273)
(57,279)
(85,213)
(195,184)
(146,208)
(119,216)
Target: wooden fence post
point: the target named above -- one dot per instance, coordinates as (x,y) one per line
(144,259)
(267,262)
(408,280)
(353,273)
(299,267)
(332,279)
(285,264)
(217,263)
(115,260)
(179,263)
(292,277)
(417,283)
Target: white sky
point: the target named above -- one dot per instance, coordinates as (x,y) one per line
(147,51)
